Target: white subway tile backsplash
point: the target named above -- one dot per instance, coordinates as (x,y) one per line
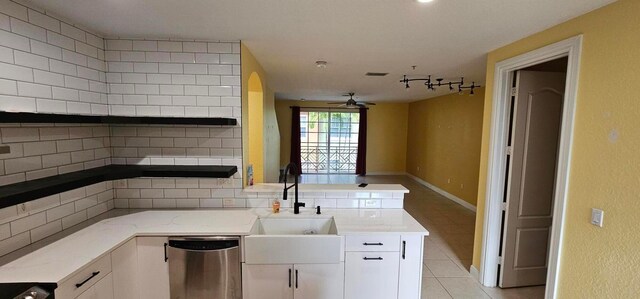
(132,56)
(72,32)
(48,78)
(15,242)
(145,67)
(60,41)
(74,219)
(6,54)
(8,87)
(158,57)
(67,94)
(15,41)
(218,69)
(219,48)
(28,30)
(11,71)
(31,60)
(143,45)
(46,230)
(44,21)
(34,90)
(183,57)
(168,46)
(170,68)
(62,67)
(73,57)
(24,224)
(119,44)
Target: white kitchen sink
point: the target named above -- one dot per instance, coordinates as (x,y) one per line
(293,241)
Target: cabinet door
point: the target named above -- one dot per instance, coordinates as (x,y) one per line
(153,270)
(319,281)
(410,267)
(371,275)
(124,268)
(103,289)
(267,281)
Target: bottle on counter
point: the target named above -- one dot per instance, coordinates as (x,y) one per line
(276,206)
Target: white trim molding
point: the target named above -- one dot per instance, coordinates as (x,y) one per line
(386,173)
(504,71)
(446,194)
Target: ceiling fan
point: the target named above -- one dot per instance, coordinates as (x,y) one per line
(351,103)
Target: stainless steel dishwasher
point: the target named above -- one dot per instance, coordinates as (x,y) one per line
(205,268)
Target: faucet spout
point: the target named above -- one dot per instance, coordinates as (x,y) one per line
(292,167)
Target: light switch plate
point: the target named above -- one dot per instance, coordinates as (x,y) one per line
(597,216)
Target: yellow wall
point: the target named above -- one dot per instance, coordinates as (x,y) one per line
(444,142)
(271,135)
(605,173)
(386,139)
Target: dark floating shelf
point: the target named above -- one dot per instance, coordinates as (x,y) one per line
(27,117)
(26,191)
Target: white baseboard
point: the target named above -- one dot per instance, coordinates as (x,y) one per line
(474,273)
(446,194)
(387,173)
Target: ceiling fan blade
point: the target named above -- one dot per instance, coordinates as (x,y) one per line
(333,103)
(367,103)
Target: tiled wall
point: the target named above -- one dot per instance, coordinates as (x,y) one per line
(173,78)
(22,225)
(47,65)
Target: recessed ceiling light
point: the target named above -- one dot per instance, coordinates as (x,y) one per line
(321,64)
(424,1)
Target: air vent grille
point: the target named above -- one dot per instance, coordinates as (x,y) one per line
(374,74)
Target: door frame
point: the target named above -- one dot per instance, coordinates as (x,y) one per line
(492,229)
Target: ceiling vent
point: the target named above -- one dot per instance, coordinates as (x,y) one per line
(372,74)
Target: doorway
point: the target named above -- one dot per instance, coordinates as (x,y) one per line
(553,175)
(329,142)
(532,148)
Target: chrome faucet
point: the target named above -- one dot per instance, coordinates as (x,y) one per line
(296,205)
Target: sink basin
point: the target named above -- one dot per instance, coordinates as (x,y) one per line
(293,241)
(296,226)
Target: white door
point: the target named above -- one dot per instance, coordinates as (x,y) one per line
(410,277)
(319,281)
(537,115)
(124,267)
(153,270)
(267,281)
(371,275)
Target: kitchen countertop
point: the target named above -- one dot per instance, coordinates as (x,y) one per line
(272,187)
(61,259)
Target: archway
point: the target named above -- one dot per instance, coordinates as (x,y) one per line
(255,129)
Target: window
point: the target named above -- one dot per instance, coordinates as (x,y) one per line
(329,141)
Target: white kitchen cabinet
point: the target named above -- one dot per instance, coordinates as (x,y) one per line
(318,281)
(153,269)
(103,289)
(267,281)
(410,276)
(124,268)
(371,275)
(299,281)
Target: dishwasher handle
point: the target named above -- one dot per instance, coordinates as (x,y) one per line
(204,245)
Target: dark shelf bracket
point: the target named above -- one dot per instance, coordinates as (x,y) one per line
(27,117)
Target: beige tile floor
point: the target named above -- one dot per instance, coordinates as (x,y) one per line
(448,248)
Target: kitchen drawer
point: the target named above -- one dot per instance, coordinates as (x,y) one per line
(373,243)
(87,277)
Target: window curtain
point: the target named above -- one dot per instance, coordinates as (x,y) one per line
(295,139)
(361,160)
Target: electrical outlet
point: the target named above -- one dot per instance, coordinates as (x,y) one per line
(418,168)
(449,181)
(597,216)
(22,209)
(461,186)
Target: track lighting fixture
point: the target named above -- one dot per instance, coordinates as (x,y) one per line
(431,84)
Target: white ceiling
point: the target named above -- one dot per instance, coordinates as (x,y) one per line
(446,38)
